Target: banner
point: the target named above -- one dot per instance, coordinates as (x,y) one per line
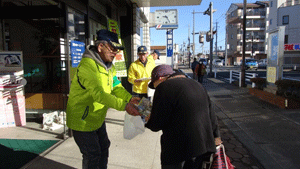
(12,82)
(119,60)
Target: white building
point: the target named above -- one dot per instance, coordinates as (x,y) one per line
(257,14)
(286,13)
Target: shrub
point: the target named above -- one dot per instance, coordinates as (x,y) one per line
(260,83)
(288,88)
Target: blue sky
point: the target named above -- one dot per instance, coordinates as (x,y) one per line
(202,23)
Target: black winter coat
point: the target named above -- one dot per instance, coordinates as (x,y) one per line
(182,110)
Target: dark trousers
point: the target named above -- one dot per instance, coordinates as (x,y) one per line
(94,147)
(200,79)
(193,163)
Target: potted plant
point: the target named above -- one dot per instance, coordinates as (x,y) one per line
(288,88)
(260,83)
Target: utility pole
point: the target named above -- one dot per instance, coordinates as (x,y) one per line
(189,48)
(244,45)
(217,38)
(210,12)
(211,39)
(194,46)
(194,32)
(226,43)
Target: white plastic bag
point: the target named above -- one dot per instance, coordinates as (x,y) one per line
(133,126)
(53,121)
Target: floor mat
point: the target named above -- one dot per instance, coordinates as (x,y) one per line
(15,153)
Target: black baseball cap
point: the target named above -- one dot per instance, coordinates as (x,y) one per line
(110,37)
(157,52)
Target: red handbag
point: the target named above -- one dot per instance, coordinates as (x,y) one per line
(220,159)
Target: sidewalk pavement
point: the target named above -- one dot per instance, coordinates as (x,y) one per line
(269,133)
(255,135)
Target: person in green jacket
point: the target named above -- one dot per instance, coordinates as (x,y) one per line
(94,89)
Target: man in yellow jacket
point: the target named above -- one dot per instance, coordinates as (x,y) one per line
(139,73)
(155,55)
(94,89)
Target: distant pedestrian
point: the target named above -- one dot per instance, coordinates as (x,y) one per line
(94,89)
(154,55)
(194,64)
(139,73)
(200,71)
(182,110)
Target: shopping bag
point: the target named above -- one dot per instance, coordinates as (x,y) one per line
(133,126)
(220,159)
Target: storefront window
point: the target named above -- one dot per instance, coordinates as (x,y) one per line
(94,27)
(38,39)
(76,26)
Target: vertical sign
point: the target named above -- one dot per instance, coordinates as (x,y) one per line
(12,100)
(77,49)
(275,55)
(169,42)
(119,60)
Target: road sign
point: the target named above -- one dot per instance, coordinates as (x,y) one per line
(169,42)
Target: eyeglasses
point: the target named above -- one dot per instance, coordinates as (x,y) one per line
(112,50)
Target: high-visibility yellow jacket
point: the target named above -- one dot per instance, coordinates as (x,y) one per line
(94,89)
(137,71)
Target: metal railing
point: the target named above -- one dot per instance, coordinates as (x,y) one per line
(237,75)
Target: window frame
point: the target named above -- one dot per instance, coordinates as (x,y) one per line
(284,19)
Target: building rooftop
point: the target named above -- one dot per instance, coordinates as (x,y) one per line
(157,47)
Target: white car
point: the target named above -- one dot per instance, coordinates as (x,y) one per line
(217,62)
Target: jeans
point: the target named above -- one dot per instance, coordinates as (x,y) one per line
(94,147)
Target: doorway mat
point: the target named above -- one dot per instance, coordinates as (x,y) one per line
(15,153)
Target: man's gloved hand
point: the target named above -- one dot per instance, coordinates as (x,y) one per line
(132,109)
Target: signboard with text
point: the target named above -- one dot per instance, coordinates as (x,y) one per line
(12,82)
(275,55)
(77,49)
(292,47)
(169,42)
(119,60)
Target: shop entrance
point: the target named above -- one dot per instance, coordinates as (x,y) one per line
(37,32)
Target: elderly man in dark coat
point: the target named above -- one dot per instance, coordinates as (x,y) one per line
(182,110)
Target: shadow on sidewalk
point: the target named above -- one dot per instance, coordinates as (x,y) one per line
(43,162)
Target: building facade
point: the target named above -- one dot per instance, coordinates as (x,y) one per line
(257,14)
(286,13)
(45,31)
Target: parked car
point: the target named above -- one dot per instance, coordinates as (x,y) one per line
(217,62)
(204,61)
(262,63)
(251,64)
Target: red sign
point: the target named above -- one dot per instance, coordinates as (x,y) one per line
(292,47)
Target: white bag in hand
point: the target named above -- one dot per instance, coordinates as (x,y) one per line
(133,126)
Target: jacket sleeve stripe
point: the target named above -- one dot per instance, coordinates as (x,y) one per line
(116,81)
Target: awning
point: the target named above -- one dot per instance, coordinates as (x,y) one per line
(156,3)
